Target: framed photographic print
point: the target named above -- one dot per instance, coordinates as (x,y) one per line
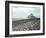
(24,18)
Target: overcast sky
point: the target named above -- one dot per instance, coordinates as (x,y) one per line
(24,12)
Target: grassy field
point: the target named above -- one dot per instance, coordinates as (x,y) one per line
(26,25)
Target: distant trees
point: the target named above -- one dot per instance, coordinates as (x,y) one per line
(31,16)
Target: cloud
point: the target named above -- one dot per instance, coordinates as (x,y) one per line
(21,12)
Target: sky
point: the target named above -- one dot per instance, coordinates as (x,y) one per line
(24,12)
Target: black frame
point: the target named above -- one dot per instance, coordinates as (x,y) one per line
(7,18)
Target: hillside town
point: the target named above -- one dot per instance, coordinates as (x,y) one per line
(32,23)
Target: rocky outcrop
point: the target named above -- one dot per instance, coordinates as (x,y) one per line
(26,25)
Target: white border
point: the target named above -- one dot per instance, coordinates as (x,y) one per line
(25,32)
